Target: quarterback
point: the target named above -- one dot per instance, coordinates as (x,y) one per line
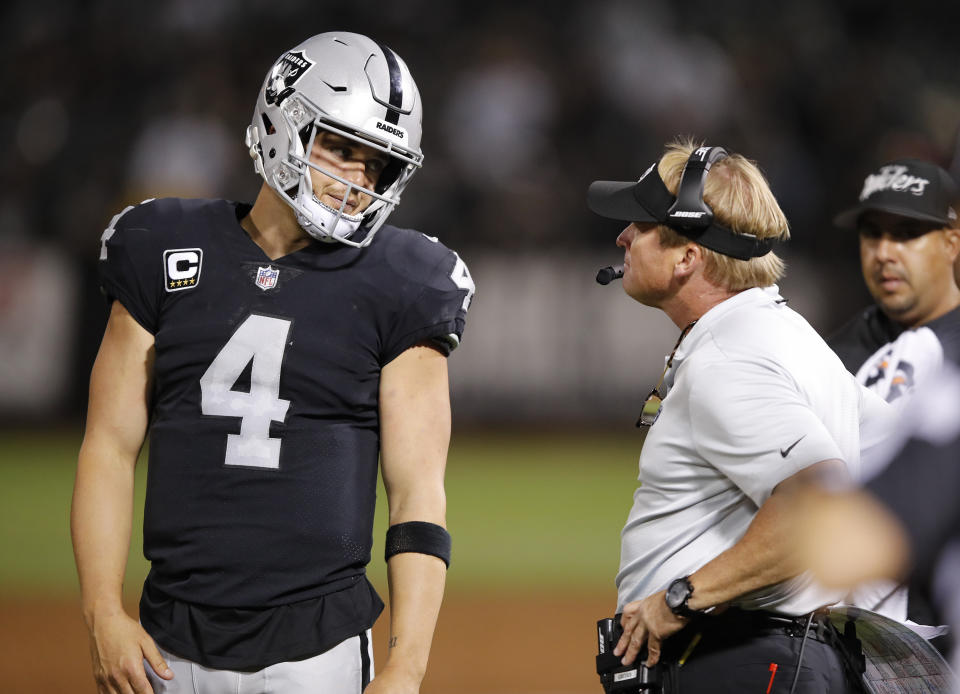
(274,353)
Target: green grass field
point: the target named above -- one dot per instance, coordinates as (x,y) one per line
(539,512)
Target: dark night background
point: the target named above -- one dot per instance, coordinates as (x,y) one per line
(105,103)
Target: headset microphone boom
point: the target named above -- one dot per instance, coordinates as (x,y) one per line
(608,274)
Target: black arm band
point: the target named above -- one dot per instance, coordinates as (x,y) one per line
(419,537)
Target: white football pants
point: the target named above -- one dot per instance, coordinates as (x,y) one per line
(341,670)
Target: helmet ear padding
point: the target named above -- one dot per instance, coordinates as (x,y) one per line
(345,84)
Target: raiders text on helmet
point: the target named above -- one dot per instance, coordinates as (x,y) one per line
(349,85)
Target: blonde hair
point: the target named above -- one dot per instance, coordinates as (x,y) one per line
(742,201)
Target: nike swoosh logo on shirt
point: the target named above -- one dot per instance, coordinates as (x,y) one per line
(784,452)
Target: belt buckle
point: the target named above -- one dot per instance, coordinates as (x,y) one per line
(797,627)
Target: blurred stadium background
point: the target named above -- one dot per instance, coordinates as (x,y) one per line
(105,103)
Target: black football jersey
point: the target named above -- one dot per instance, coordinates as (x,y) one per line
(264,429)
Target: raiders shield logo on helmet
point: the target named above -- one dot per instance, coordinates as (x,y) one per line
(285,74)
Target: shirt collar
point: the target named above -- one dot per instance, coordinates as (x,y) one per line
(756,296)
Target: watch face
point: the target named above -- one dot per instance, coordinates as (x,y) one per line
(677,593)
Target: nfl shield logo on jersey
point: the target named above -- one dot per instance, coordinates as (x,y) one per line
(267,277)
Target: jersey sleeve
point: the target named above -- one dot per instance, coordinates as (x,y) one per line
(749,421)
(439,291)
(131,270)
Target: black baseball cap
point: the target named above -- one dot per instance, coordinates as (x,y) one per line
(910,188)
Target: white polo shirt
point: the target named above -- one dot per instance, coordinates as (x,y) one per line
(755,396)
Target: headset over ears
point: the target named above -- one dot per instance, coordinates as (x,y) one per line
(693,218)
(689,211)
(649,200)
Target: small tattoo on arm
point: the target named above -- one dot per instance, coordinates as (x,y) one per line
(392,642)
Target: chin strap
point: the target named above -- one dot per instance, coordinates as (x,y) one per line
(325,223)
(322,222)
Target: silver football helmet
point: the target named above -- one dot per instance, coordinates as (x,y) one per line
(349,85)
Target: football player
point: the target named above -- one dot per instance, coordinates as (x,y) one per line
(274,353)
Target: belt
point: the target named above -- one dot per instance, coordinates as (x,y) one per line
(735,620)
(815,625)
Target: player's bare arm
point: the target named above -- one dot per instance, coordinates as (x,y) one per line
(415,434)
(765,555)
(103,504)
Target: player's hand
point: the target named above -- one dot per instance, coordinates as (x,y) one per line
(390,681)
(647,621)
(118,647)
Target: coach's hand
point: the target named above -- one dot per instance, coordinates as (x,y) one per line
(118,647)
(648,620)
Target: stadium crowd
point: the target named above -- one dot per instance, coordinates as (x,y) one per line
(526,102)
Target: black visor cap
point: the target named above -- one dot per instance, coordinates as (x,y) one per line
(646,200)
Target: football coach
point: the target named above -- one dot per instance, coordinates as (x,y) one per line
(751,402)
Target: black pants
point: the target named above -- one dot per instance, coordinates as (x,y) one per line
(735,656)
(747,667)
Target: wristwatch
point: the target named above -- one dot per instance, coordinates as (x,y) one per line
(678,593)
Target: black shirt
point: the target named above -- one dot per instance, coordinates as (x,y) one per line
(264,429)
(865,346)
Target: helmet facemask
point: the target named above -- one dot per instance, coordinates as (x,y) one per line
(293,182)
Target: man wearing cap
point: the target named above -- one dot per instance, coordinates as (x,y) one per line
(909,242)
(752,400)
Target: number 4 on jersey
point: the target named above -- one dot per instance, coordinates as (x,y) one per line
(461,277)
(261,339)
